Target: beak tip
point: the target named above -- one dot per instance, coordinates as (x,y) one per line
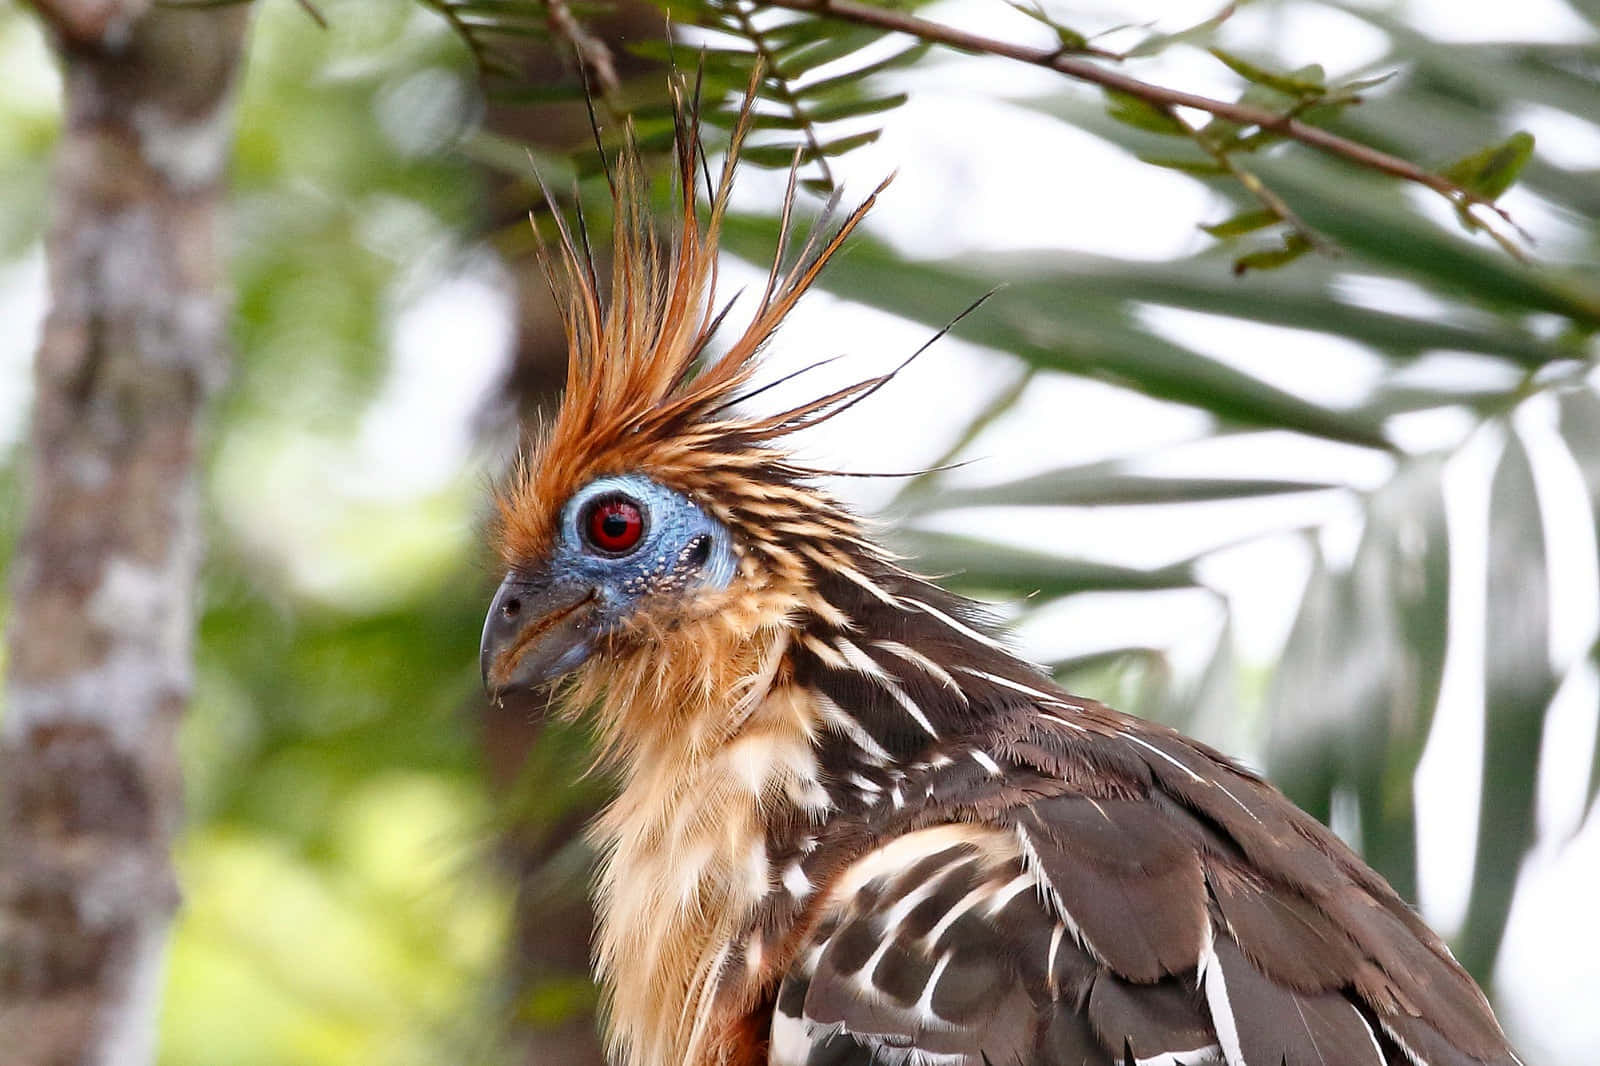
(534,633)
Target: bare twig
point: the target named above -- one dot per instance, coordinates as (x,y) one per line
(483,57)
(594,57)
(316,16)
(87,22)
(1075,65)
(784,92)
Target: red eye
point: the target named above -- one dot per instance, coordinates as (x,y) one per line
(614,524)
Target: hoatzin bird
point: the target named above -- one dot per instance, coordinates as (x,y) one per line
(854,829)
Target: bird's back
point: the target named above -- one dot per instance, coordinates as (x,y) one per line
(1061,884)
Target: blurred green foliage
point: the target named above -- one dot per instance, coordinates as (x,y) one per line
(338,904)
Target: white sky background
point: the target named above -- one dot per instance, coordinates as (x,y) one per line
(1000,186)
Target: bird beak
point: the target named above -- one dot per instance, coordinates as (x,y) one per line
(538,629)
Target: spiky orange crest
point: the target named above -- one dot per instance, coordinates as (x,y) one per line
(641,395)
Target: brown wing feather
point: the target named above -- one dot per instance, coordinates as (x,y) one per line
(1141,900)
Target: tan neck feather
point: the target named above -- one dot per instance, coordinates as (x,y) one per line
(711,737)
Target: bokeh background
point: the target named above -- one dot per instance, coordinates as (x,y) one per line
(1337,518)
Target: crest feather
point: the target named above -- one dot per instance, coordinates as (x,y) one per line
(641,395)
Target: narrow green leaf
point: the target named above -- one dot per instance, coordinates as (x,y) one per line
(839,43)
(1069,39)
(843,109)
(1310,694)
(1096,660)
(1109,484)
(986,566)
(1141,114)
(1580,427)
(775,156)
(781,156)
(851,81)
(1244,222)
(1207,708)
(1295,245)
(1518,687)
(1030,317)
(1490,171)
(859,107)
(1199,166)
(804,30)
(847,144)
(1361,85)
(1305,82)
(1366,219)
(1402,586)
(1159,41)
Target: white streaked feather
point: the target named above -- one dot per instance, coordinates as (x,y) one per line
(790,1041)
(905,851)
(1192,775)
(924,1003)
(850,573)
(1009,891)
(1413,1055)
(868,666)
(1215,985)
(824,651)
(985,760)
(1199,1056)
(841,722)
(921,661)
(965,630)
(1377,1048)
(1057,934)
(1056,718)
(953,915)
(1015,686)
(796,881)
(1058,905)
(1145,744)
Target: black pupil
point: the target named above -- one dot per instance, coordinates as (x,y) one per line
(614,523)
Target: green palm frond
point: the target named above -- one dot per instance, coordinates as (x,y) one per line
(816,99)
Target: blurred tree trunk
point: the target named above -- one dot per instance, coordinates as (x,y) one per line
(102,610)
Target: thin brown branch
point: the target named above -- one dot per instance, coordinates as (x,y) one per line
(316,16)
(782,89)
(483,57)
(1076,66)
(88,22)
(594,56)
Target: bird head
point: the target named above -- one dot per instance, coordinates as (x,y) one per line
(651,509)
(624,549)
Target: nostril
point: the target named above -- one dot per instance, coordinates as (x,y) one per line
(511,608)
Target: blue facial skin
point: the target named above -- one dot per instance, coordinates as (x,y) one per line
(672,525)
(682,551)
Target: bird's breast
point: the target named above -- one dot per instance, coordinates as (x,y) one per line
(687,862)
